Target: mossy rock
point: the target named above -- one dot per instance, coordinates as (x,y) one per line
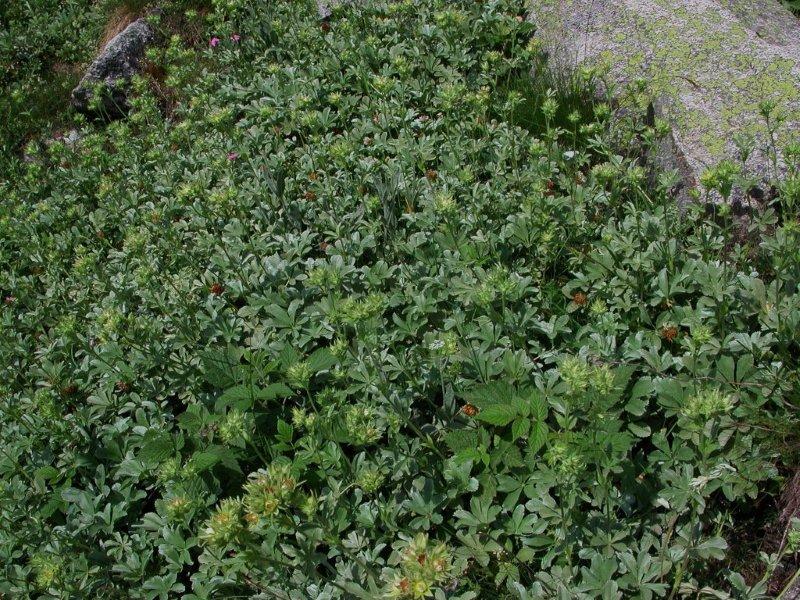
(708,65)
(103,90)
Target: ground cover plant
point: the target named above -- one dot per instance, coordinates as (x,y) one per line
(45,46)
(372,314)
(793,5)
(38,62)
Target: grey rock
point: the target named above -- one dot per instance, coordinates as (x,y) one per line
(323,9)
(72,137)
(111,72)
(707,65)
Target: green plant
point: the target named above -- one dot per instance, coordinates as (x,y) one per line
(793,5)
(37,63)
(368,317)
(44,47)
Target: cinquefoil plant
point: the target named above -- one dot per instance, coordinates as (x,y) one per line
(372,315)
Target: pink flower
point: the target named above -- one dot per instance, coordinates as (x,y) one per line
(235,38)
(214,42)
(232,156)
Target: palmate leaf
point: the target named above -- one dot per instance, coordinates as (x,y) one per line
(160,586)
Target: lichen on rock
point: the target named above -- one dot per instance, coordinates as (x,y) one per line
(103,90)
(711,66)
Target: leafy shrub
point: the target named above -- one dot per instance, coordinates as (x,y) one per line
(365,320)
(44,47)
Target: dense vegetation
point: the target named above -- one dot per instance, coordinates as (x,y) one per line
(353,308)
(37,62)
(44,44)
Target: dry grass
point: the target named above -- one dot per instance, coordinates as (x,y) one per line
(118,20)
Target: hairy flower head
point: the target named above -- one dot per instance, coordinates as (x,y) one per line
(48,570)
(236,427)
(576,373)
(370,480)
(706,404)
(268,490)
(361,424)
(298,375)
(177,507)
(423,565)
(224,526)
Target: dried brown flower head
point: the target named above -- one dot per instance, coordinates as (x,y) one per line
(470,410)
(580,298)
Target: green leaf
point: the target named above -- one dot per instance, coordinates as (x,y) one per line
(462,439)
(636,407)
(712,548)
(490,394)
(238,396)
(194,418)
(636,404)
(725,368)
(638,430)
(497,414)
(506,455)
(274,390)
(54,503)
(221,367)
(288,356)
(744,368)
(321,360)
(242,397)
(156,447)
(285,432)
(621,377)
(538,436)
(520,428)
(521,405)
(203,460)
(538,406)
(46,473)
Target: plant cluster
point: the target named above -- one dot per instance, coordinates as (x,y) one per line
(793,5)
(37,59)
(45,46)
(372,314)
